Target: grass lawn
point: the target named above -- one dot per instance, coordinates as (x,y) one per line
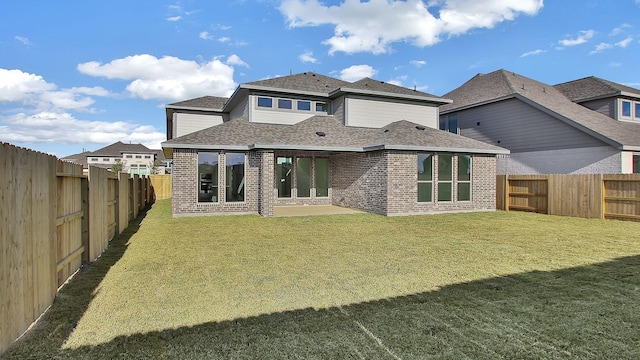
(453,286)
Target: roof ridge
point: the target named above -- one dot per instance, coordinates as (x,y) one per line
(503,72)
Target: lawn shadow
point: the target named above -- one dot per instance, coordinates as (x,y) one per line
(582,312)
(46,337)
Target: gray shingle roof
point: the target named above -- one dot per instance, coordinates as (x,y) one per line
(240,134)
(307,81)
(204,102)
(117,148)
(502,84)
(381,86)
(593,88)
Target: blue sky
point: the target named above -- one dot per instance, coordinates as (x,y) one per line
(80,75)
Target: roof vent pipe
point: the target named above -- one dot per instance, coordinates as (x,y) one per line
(420,127)
(321,134)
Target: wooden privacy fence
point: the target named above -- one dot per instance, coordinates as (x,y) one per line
(52,219)
(161,186)
(606,196)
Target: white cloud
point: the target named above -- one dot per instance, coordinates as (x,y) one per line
(166,78)
(600,48)
(224,39)
(357,72)
(624,43)
(235,60)
(418,63)
(174,18)
(62,127)
(18,86)
(205,36)
(398,80)
(534,52)
(620,29)
(372,26)
(23,40)
(584,36)
(307,57)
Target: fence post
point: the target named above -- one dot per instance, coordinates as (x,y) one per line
(84,196)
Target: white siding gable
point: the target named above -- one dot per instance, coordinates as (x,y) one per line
(188,123)
(377,113)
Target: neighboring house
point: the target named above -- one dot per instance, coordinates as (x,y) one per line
(135,158)
(309,139)
(544,129)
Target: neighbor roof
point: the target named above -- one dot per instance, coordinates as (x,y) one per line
(118,148)
(501,85)
(591,88)
(325,133)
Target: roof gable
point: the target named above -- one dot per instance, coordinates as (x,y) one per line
(592,87)
(502,84)
(118,148)
(307,81)
(204,102)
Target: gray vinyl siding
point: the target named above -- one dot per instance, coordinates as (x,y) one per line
(604,106)
(186,123)
(241,110)
(337,106)
(520,127)
(377,113)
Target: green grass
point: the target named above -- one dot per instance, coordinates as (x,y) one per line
(453,286)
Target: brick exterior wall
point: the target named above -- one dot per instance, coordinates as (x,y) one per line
(359,181)
(185,188)
(382,182)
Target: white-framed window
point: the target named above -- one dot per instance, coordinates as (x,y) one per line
(321,107)
(304,105)
(625,108)
(147,156)
(629,110)
(138,156)
(128,156)
(449,123)
(105,159)
(265,102)
(285,104)
(445,177)
(94,159)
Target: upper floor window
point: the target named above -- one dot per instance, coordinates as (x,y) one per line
(626,108)
(105,159)
(284,103)
(147,156)
(321,107)
(637,111)
(265,102)
(94,159)
(128,156)
(304,105)
(138,156)
(636,164)
(449,123)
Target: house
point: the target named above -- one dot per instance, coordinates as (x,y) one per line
(586,126)
(134,158)
(309,139)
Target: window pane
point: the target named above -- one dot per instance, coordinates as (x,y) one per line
(453,124)
(464,168)
(444,191)
(636,164)
(626,108)
(303,177)
(284,104)
(322,177)
(283,173)
(425,192)
(321,107)
(304,105)
(265,102)
(637,114)
(464,191)
(234,176)
(443,124)
(444,168)
(207,177)
(425,167)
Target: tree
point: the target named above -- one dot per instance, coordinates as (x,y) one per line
(117,167)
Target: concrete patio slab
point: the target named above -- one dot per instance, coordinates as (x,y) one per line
(310,210)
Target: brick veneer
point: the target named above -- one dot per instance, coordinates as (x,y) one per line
(381,182)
